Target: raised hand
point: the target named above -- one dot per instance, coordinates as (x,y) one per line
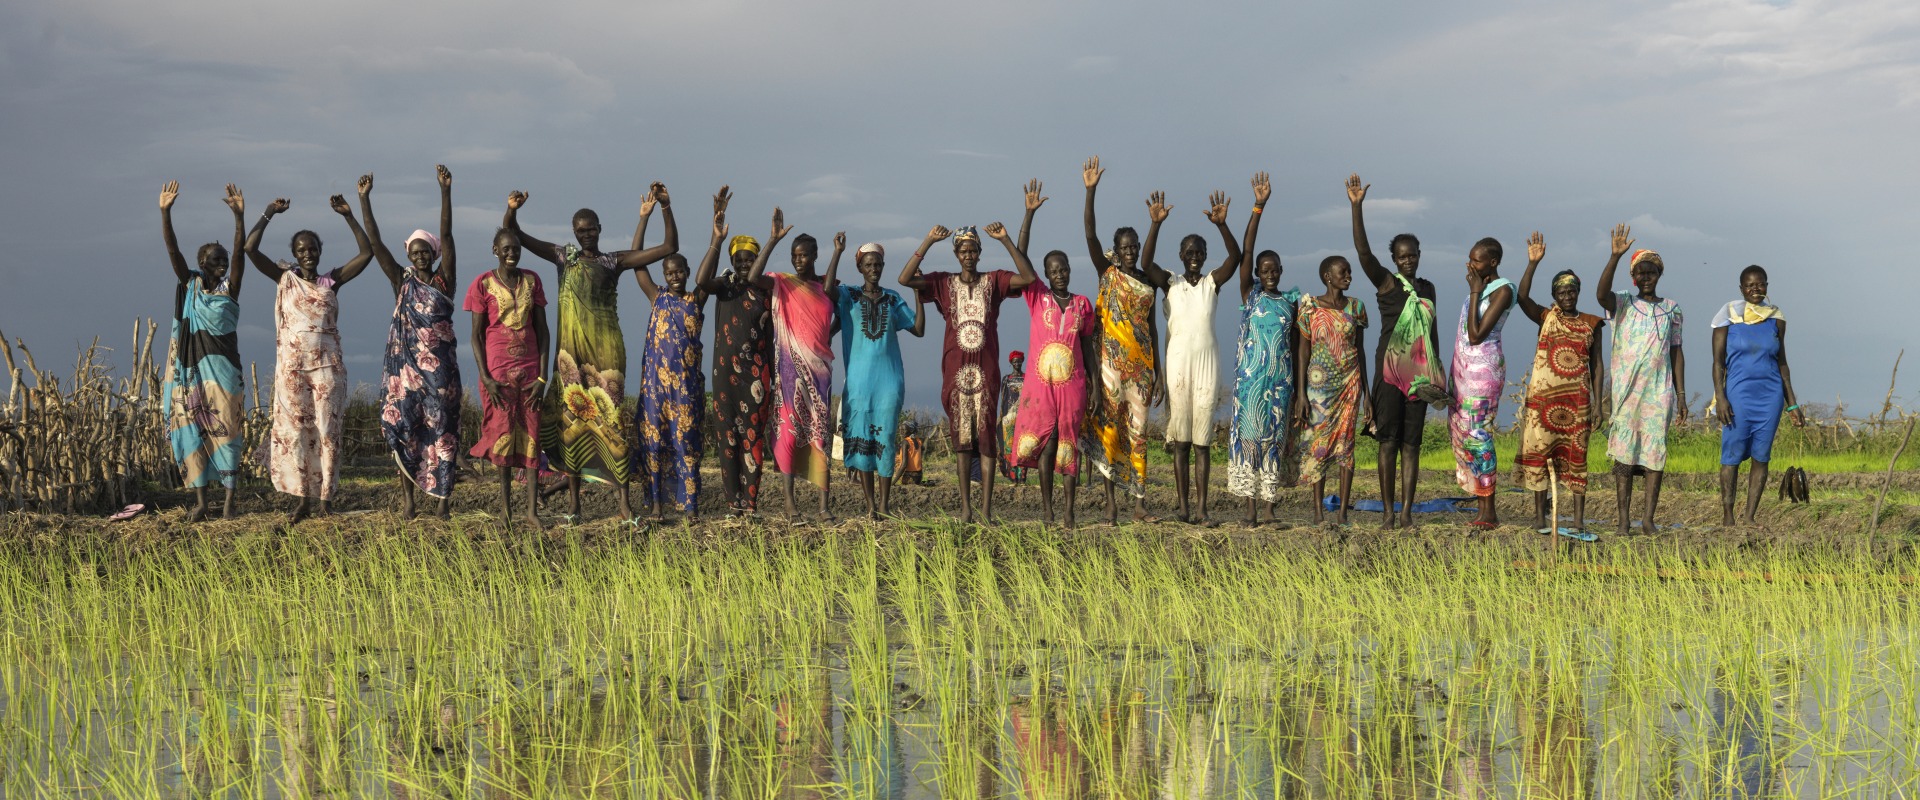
(339,205)
(997,231)
(279,206)
(446,178)
(1622,239)
(660,196)
(1217,207)
(647,202)
(840,241)
(235,200)
(938,234)
(1536,247)
(1262,188)
(365,184)
(1034,200)
(1356,192)
(720,200)
(1090,172)
(719,227)
(780,228)
(516,199)
(1157,208)
(169,192)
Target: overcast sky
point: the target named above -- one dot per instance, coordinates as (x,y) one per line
(1727,132)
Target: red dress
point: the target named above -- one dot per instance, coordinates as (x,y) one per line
(970,383)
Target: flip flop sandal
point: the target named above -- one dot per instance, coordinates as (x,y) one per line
(1579,535)
(128,512)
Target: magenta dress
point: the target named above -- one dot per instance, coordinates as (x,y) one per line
(1054,401)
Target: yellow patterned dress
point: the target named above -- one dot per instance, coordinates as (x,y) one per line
(1116,427)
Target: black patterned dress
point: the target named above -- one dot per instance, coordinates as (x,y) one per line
(742,387)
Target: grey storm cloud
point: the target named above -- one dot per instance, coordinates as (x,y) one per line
(1727,132)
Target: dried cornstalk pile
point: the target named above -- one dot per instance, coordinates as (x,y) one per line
(90,441)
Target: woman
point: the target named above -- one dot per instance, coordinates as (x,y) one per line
(673,391)
(1649,374)
(1012,385)
(743,364)
(510,342)
(970,363)
(200,399)
(1408,357)
(803,367)
(1332,377)
(1560,411)
(582,431)
(871,319)
(420,417)
(1062,335)
(1478,378)
(1263,390)
(309,377)
(1751,388)
(1129,380)
(1193,358)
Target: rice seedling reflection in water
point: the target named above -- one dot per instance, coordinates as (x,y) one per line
(920,664)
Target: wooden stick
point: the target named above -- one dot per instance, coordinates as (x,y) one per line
(1874,523)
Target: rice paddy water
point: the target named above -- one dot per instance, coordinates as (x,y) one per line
(923,661)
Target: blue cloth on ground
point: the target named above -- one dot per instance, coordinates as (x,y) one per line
(1437,505)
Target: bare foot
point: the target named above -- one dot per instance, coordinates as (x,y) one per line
(197,513)
(534,522)
(446,509)
(406,508)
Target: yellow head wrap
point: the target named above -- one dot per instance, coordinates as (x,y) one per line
(743,242)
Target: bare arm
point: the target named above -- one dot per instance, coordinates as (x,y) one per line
(703,282)
(447,274)
(1604,288)
(380,252)
(1678,358)
(235,270)
(1217,214)
(1595,373)
(168,194)
(635,259)
(1262,191)
(511,221)
(1157,211)
(1480,324)
(1090,175)
(1536,250)
(1376,272)
(833,266)
(1722,408)
(358,263)
(919,315)
(646,213)
(261,262)
(910,276)
(1033,201)
(489,388)
(1798,416)
(1298,406)
(780,231)
(1020,260)
(545,343)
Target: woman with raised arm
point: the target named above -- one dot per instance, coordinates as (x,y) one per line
(1258,463)
(1063,332)
(420,417)
(1332,378)
(1560,410)
(1752,386)
(201,396)
(582,431)
(1648,371)
(1408,358)
(871,319)
(673,390)
(970,365)
(309,377)
(743,363)
(1479,377)
(1193,357)
(510,344)
(1129,379)
(803,367)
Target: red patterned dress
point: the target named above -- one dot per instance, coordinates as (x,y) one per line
(970,384)
(1559,402)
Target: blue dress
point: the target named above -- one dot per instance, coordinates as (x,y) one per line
(201,398)
(1754,390)
(1257,465)
(673,400)
(420,417)
(876,383)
